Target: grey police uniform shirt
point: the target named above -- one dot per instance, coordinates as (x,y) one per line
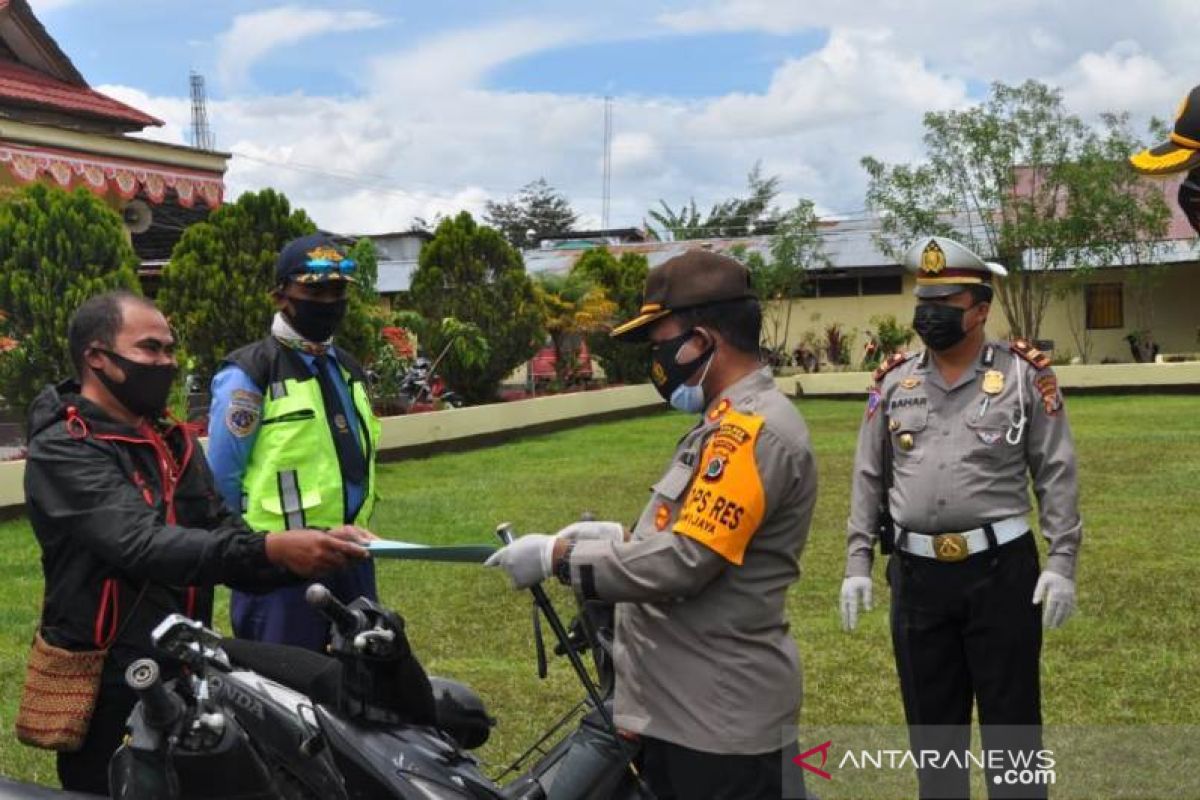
(955,463)
(702,651)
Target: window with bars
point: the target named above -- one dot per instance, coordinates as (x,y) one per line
(1104,306)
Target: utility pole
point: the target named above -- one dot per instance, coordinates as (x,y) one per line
(607,193)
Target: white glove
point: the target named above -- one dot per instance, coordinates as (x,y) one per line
(854,591)
(527,560)
(593,531)
(1056,595)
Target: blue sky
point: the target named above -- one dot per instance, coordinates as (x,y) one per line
(368,113)
(153,45)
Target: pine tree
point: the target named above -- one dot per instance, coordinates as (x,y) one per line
(469,272)
(57,249)
(623,280)
(539,211)
(216,288)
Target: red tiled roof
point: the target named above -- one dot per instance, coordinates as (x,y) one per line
(21,84)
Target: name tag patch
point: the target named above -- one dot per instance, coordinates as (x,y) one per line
(905,402)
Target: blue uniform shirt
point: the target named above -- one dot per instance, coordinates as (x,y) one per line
(229,446)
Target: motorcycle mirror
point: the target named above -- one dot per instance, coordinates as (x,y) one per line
(346,621)
(187,640)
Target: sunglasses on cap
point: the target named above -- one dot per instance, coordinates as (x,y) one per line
(323,268)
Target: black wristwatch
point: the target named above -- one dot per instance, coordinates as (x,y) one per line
(563,570)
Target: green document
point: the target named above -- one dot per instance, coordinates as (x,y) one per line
(462,553)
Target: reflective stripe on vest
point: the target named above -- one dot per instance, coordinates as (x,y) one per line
(292,478)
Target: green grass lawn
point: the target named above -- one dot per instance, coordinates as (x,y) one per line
(1128,657)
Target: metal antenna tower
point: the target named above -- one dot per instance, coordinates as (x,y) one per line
(607,193)
(202,136)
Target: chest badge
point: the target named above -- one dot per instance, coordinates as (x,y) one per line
(910,383)
(893,425)
(662,515)
(993,381)
(906,441)
(714,469)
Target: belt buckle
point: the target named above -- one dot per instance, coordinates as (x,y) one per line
(950,547)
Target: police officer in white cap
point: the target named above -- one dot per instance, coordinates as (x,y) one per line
(948,443)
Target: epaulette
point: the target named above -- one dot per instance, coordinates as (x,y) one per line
(893,361)
(1030,353)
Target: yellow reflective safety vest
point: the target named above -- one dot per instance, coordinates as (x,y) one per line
(293,479)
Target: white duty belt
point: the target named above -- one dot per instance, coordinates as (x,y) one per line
(957,546)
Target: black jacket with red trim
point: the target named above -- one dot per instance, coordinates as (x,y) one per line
(117,508)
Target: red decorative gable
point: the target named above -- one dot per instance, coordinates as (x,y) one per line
(23,85)
(39,84)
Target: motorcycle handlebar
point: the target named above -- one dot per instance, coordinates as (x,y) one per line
(161,708)
(346,621)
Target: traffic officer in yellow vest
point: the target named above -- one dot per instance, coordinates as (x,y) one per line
(706,672)
(947,445)
(1181,153)
(292,437)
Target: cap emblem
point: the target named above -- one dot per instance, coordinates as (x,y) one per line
(933,260)
(324,254)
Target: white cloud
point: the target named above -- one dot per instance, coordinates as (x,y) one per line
(462,58)
(633,152)
(986,40)
(252,36)
(175,112)
(747,15)
(1122,79)
(857,76)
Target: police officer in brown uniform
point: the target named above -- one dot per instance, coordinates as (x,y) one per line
(948,443)
(706,672)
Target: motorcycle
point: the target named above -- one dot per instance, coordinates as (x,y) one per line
(259,721)
(422,387)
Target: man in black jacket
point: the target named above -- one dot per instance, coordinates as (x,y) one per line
(125,511)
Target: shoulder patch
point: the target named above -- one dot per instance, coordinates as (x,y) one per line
(1047,387)
(874,400)
(243,413)
(1027,351)
(892,361)
(725,504)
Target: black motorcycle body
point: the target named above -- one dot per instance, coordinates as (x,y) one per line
(255,721)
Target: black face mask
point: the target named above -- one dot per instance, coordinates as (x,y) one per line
(666,373)
(146,387)
(1189,199)
(939,326)
(316,321)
